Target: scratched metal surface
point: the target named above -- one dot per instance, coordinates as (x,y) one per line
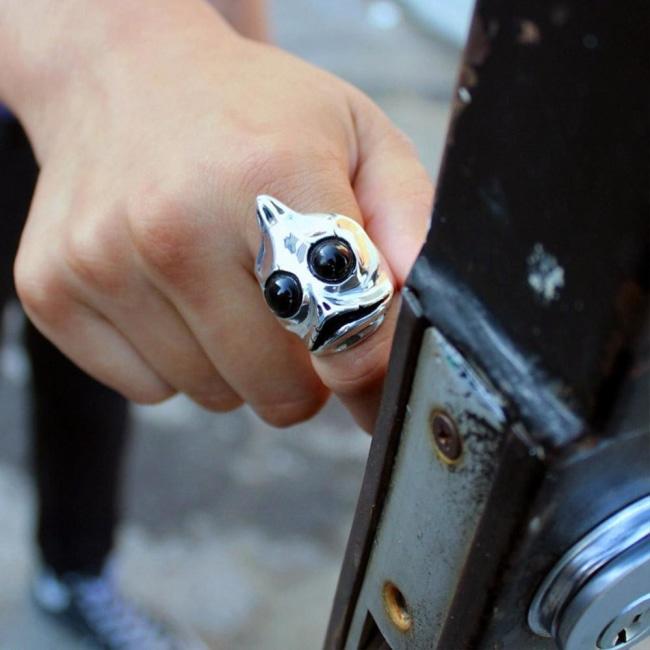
(543,209)
(431,515)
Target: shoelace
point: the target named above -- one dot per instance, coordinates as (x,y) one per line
(119,622)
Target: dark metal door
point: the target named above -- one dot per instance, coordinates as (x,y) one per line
(506,502)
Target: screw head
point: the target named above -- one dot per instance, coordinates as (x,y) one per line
(446,436)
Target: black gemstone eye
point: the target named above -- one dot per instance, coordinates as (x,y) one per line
(283,293)
(331,259)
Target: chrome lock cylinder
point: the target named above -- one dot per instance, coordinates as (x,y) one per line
(597,597)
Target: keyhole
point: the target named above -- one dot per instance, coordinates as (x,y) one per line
(628,633)
(632,625)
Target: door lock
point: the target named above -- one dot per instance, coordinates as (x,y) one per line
(598,595)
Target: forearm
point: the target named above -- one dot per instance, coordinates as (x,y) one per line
(27,51)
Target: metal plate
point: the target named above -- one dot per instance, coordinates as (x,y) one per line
(433,508)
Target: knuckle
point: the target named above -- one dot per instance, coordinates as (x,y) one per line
(164,234)
(287,165)
(285,413)
(287,170)
(260,166)
(90,257)
(40,289)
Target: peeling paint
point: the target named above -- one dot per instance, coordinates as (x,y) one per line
(469,77)
(464,95)
(545,275)
(529,33)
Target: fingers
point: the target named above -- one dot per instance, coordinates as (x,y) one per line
(394,191)
(357,375)
(96,347)
(221,303)
(264,364)
(80,332)
(155,329)
(198,321)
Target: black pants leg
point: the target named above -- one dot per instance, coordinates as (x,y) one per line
(79,427)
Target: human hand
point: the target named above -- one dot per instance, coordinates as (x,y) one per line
(155,133)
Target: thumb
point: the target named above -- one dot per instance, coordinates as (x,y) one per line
(356,375)
(394,191)
(395,197)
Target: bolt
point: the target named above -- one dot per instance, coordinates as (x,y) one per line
(446,436)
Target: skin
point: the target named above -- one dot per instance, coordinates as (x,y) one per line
(248,17)
(156,125)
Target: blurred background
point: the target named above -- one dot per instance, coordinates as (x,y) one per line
(232,528)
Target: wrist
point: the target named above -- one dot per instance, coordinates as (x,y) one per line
(38,64)
(87,48)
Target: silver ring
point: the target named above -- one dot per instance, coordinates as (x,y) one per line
(321,276)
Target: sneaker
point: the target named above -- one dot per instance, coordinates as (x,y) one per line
(94,609)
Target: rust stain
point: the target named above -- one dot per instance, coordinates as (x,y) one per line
(529,33)
(468,76)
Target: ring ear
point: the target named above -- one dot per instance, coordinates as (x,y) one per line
(269,210)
